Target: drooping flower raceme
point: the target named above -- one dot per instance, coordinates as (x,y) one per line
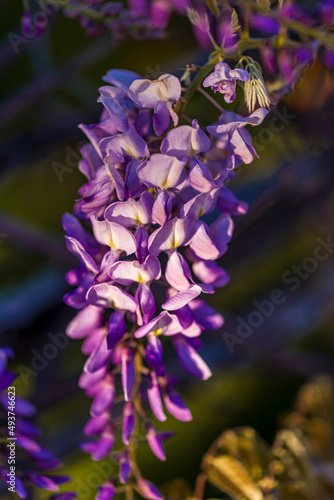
(160,216)
(19,439)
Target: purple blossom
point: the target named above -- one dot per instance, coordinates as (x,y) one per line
(223,80)
(155,442)
(185,141)
(148,490)
(233,135)
(107,491)
(159,95)
(34,459)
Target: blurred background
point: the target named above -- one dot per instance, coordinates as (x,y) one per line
(48,86)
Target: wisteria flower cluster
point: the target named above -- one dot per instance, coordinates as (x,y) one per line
(161,215)
(146,18)
(21,442)
(288,36)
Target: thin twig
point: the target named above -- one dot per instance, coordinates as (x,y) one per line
(211,99)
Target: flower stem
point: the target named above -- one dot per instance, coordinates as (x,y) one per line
(211,99)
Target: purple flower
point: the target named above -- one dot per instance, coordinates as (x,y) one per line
(124,468)
(111,296)
(162,171)
(120,78)
(148,490)
(185,141)
(165,323)
(128,371)
(189,359)
(159,95)
(129,422)
(153,354)
(132,212)
(234,136)
(176,233)
(107,491)
(34,459)
(154,397)
(175,404)
(127,272)
(223,80)
(128,144)
(155,442)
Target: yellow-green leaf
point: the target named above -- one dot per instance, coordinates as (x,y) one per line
(231,477)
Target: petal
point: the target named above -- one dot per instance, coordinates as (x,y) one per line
(162,171)
(104,398)
(190,360)
(221,232)
(182,298)
(127,272)
(210,272)
(154,397)
(162,208)
(141,236)
(202,245)
(24,408)
(128,371)
(116,112)
(175,233)
(104,445)
(158,325)
(131,212)
(134,186)
(75,247)
(84,322)
(129,422)
(161,118)
(155,442)
(229,204)
(185,141)
(148,94)
(120,78)
(95,425)
(149,490)
(177,272)
(146,301)
(200,177)
(106,296)
(205,315)
(107,491)
(176,406)
(200,205)
(128,143)
(116,329)
(99,358)
(153,355)
(124,468)
(74,230)
(117,178)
